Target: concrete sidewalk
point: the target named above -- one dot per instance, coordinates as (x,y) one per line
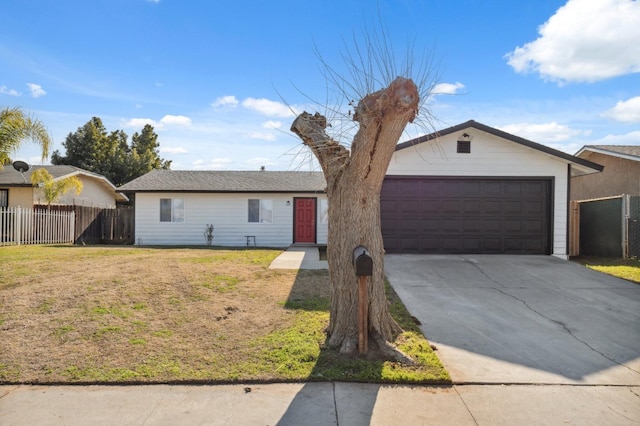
(318,404)
(299,257)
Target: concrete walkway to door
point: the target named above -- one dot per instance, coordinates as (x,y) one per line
(299,257)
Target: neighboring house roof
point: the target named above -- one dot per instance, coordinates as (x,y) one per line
(628,152)
(11,177)
(226,181)
(583,166)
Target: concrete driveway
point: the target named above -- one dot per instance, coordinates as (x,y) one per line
(522,319)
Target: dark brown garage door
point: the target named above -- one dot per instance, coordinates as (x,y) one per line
(466,215)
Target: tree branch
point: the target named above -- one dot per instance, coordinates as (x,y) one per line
(382,115)
(332,156)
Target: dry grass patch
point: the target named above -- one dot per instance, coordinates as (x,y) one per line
(122,314)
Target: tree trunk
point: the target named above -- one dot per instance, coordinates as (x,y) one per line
(354,179)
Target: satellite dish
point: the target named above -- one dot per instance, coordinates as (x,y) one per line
(20,166)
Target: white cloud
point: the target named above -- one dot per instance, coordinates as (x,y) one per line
(632,138)
(268,107)
(6,91)
(225,101)
(262,136)
(167,120)
(543,133)
(179,120)
(270,124)
(214,164)
(263,161)
(173,150)
(36,90)
(584,41)
(626,111)
(257,163)
(139,122)
(447,88)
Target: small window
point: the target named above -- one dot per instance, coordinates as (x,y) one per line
(324,211)
(172,210)
(464,147)
(260,211)
(4,198)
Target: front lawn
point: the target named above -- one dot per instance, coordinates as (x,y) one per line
(628,269)
(151,315)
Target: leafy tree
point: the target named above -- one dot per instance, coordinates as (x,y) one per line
(54,189)
(82,146)
(144,152)
(15,128)
(92,148)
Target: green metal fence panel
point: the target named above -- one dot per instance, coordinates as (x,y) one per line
(601,228)
(634,226)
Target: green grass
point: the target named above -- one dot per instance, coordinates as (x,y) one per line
(108,329)
(114,310)
(62,330)
(162,333)
(628,269)
(45,306)
(145,315)
(221,283)
(299,350)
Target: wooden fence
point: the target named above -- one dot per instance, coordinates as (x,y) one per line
(104,226)
(66,224)
(574,229)
(605,227)
(20,225)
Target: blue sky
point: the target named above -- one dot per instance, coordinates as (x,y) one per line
(221,80)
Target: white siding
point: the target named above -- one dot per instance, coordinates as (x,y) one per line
(227,212)
(490,156)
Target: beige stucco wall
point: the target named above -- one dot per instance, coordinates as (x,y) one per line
(20,197)
(93,194)
(620,176)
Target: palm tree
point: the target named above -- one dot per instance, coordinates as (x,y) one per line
(15,128)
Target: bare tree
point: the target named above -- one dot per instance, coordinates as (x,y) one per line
(354,175)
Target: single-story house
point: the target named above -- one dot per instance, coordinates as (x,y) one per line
(470,188)
(621,173)
(261,208)
(16,189)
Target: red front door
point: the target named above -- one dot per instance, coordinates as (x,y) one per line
(304,220)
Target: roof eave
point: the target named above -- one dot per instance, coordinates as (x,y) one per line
(225,191)
(102,180)
(607,152)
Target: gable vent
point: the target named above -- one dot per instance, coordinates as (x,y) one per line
(464,147)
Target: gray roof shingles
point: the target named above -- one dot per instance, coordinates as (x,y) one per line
(633,150)
(226,181)
(10,176)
